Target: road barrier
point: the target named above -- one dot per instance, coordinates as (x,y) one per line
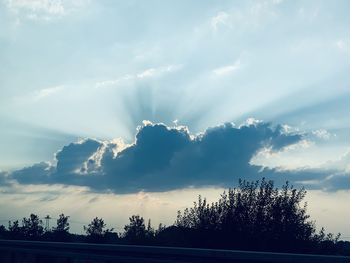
(12,251)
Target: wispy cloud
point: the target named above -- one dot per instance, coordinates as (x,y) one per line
(152,72)
(43,9)
(222,18)
(227,69)
(145,74)
(342,45)
(47,92)
(309,14)
(113,82)
(39,95)
(323,134)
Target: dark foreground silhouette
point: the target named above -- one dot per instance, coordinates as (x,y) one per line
(254,216)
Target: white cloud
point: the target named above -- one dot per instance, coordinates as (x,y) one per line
(152,72)
(145,74)
(222,18)
(113,82)
(288,159)
(39,95)
(309,14)
(43,93)
(46,6)
(250,16)
(43,9)
(342,45)
(251,121)
(341,164)
(277,2)
(227,69)
(323,134)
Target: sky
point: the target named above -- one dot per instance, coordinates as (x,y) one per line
(123,107)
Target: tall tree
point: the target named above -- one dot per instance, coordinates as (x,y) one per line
(136,231)
(96,231)
(32,227)
(62,224)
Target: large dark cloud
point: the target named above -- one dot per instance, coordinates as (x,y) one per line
(37,173)
(71,157)
(164,158)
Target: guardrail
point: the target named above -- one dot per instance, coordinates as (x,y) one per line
(32,252)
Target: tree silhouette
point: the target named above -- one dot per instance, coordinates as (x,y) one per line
(62,224)
(32,227)
(96,227)
(96,231)
(137,232)
(15,231)
(61,231)
(3,231)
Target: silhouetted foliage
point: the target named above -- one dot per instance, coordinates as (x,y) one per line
(3,232)
(136,231)
(96,227)
(96,231)
(253,216)
(61,231)
(62,224)
(15,230)
(256,216)
(32,227)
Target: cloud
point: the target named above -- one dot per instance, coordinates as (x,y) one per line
(323,134)
(72,157)
(342,45)
(341,164)
(43,9)
(222,18)
(145,74)
(50,7)
(227,69)
(163,158)
(43,93)
(37,173)
(309,14)
(39,95)
(245,17)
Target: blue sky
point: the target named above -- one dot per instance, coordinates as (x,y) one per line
(74,70)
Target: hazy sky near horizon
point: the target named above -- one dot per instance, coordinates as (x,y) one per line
(73,70)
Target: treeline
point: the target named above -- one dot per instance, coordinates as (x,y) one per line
(254,216)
